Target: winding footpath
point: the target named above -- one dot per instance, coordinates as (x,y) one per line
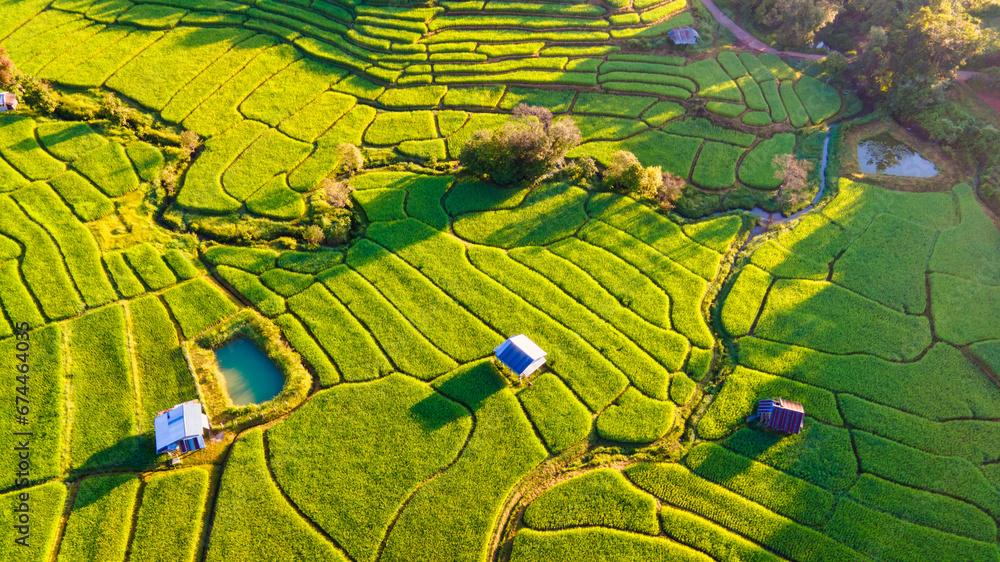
(748,40)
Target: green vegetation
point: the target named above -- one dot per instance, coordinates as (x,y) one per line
(604,544)
(45,520)
(77,245)
(674,484)
(351,348)
(69,141)
(861,325)
(101,381)
(716,165)
(601,498)
(559,417)
(393,128)
(86,201)
(19,147)
(169,520)
(198,305)
(98,527)
(546,215)
(796,112)
(924,508)
(402,427)
(109,168)
(757,169)
(162,372)
(121,240)
(453,515)
(47,402)
(148,264)
(820,100)
(620,422)
(786,495)
(605,104)
(409,351)
(246,284)
(252,516)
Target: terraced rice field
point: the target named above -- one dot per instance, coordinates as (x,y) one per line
(408,442)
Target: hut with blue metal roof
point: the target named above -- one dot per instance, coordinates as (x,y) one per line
(520,355)
(181,429)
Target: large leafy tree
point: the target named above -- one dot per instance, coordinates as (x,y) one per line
(907,66)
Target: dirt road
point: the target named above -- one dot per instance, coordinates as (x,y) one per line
(748,40)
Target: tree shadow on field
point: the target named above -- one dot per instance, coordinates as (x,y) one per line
(435,412)
(135,452)
(470,385)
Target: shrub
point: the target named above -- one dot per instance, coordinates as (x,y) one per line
(338,193)
(669,191)
(351,159)
(794,175)
(521,149)
(314,235)
(625,173)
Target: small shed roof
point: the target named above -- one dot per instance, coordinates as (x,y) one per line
(781,415)
(7,101)
(521,355)
(183,421)
(683,35)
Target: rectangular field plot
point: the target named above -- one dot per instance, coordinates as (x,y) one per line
(170,518)
(198,305)
(44,395)
(161,370)
(103,405)
(98,526)
(47,505)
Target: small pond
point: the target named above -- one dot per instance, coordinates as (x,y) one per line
(251,377)
(884,154)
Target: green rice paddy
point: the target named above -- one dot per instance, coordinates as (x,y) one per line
(877,310)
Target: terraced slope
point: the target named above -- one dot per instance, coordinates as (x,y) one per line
(895,461)
(412,444)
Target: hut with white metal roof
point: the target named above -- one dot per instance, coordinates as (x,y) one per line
(520,355)
(181,429)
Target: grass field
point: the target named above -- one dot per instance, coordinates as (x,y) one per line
(876,311)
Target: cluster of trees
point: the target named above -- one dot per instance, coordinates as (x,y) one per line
(532,146)
(907,50)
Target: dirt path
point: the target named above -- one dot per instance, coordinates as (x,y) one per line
(990,98)
(748,40)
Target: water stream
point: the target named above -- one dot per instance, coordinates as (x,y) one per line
(768,219)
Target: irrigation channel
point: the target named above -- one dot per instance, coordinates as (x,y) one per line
(769,219)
